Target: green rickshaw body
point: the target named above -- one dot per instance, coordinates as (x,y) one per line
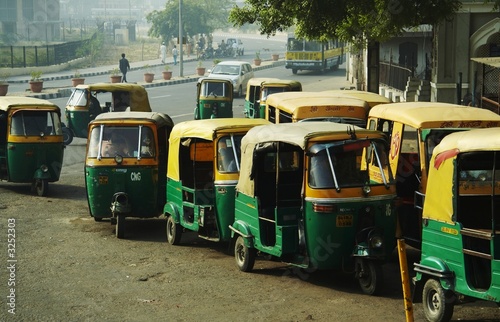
(214,98)
(259,88)
(461,223)
(31,148)
(86,102)
(203,169)
(316,195)
(125,166)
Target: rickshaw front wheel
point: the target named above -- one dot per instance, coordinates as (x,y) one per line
(41,187)
(174,231)
(67,136)
(434,302)
(245,257)
(370,276)
(120,226)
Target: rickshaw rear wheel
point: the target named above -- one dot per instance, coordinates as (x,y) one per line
(370,276)
(41,187)
(120,226)
(435,303)
(245,257)
(174,231)
(67,136)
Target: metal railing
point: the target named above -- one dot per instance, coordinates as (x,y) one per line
(394,75)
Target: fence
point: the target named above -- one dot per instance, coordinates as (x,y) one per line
(394,75)
(36,56)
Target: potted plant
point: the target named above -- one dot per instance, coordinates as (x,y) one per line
(200,70)
(257,59)
(77,79)
(167,73)
(115,75)
(216,61)
(36,82)
(149,76)
(4,85)
(275,56)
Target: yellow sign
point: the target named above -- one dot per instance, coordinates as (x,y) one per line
(103,179)
(344,220)
(450,231)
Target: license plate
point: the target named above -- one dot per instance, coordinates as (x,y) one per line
(344,220)
(103,179)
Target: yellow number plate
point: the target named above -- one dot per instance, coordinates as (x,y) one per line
(103,179)
(344,220)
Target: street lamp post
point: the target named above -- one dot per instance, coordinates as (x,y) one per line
(181,42)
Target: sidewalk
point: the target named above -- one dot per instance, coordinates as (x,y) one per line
(56,84)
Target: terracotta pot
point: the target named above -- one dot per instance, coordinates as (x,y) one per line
(149,77)
(115,78)
(200,71)
(275,57)
(36,86)
(167,75)
(257,62)
(77,81)
(4,89)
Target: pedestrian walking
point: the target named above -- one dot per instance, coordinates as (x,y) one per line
(163,52)
(175,52)
(124,68)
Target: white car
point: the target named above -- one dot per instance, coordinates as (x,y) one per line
(238,72)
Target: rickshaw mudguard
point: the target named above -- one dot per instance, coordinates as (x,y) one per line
(435,267)
(171,210)
(241,228)
(40,175)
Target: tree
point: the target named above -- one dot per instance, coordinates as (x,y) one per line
(198,17)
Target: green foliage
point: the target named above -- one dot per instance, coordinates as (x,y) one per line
(92,47)
(360,21)
(114,72)
(4,76)
(257,55)
(36,75)
(197,18)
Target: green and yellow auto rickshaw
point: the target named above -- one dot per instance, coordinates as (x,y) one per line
(258,89)
(89,100)
(203,168)
(214,98)
(460,258)
(316,195)
(125,166)
(31,142)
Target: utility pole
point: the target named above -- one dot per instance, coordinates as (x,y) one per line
(181,42)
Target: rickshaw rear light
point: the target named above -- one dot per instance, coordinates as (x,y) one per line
(317,207)
(44,168)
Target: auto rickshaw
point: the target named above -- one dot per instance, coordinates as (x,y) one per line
(460,258)
(371,98)
(316,195)
(315,106)
(259,88)
(214,98)
(414,128)
(203,168)
(31,142)
(89,100)
(125,166)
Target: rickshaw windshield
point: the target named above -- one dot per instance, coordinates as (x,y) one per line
(78,98)
(216,89)
(432,137)
(127,141)
(228,158)
(35,123)
(340,164)
(266,91)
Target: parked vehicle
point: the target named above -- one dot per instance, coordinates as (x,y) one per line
(460,261)
(414,129)
(125,166)
(214,98)
(303,186)
(31,142)
(240,50)
(258,89)
(238,72)
(315,106)
(203,168)
(84,105)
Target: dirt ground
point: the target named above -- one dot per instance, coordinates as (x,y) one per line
(70,268)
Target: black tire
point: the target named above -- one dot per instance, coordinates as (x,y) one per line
(434,302)
(174,231)
(41,187)
(370,278)
(120,226)
(244,256)
(294,71)
(67,136)
(98,219)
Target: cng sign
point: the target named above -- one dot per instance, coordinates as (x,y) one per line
(135,176)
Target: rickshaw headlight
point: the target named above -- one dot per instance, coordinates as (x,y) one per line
(118,159)
(44,168)
(376,241)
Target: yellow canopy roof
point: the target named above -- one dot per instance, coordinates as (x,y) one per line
(138,95)
(371,98)
(491,61)
(434,114)
(8,102)
(207,129)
